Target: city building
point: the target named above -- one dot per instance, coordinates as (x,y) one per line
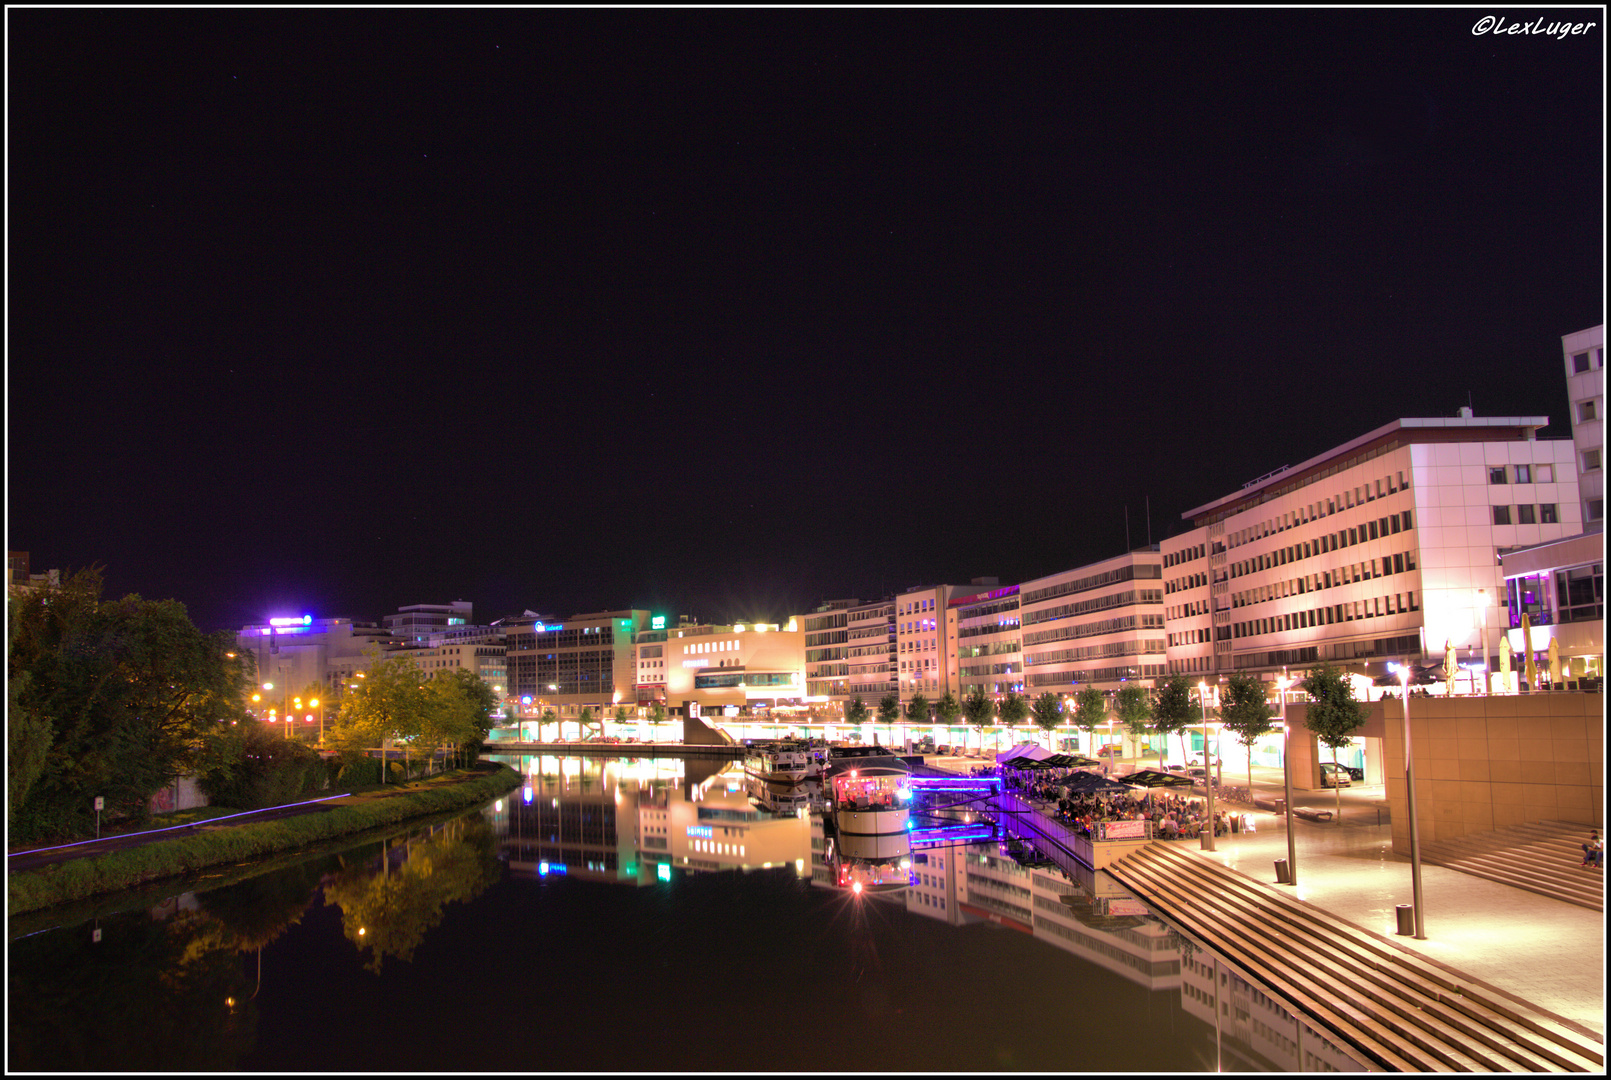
(1560,586)
(983,629)
(871,661)
(1381,549)
(827,667)
(1584,353)
(299,651)
(19,577)
(1097,625)
(587,661)
(925,641)
(485,660)
(728,670)
(415,623)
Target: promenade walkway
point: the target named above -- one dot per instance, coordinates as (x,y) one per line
(1540,950)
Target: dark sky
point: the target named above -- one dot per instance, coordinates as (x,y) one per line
(724,312)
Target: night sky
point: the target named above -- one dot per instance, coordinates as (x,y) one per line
(723,313)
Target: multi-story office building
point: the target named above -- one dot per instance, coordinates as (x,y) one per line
(827,669)
(485,660)
(925,641)
(19,577)
(1381,548)
(586,662)
(729,669)
(871,659)
(1560,586)
(984,629)
(414,624)
(1100,625)
(296,652)
(1585,387)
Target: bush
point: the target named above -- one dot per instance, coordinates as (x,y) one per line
(270,770)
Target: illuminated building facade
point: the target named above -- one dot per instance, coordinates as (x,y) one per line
(1097,625)
(1560,585)
(294,652)
(827,667)
(414,624)
(871,661)
(1382,548)
(484,660)
(588,661)
(1584,353)
(925,641)
(987,633)
(727,669)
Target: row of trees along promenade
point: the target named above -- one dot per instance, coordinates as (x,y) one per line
(116,699)
(1334,714)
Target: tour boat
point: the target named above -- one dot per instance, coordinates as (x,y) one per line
(783,761)
(866,787)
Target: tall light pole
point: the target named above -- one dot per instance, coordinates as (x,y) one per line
(1286,769)
(1208,775)
(1415,826)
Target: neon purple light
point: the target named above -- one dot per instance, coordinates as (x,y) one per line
(170,828)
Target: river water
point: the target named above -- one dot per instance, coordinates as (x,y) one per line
(635,915)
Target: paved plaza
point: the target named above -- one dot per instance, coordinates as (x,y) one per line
(1549,953)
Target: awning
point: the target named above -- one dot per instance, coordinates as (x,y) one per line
(1152,778)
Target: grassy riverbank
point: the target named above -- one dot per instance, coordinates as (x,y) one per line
(228,843)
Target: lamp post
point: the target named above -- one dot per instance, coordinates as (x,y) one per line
(1286,769)
(314,704)
(1208,776)
(1482,608)
(1415,827)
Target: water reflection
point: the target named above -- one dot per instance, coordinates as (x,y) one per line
(654,866)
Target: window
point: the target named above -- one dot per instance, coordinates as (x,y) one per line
(1591,460)
(1547,514)
(1525,514)
(1501,515)
(1496,474)
(1595,508)
(1524,474)
(1585,411)
(1580,362)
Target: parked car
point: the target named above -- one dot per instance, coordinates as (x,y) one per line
(1357,775)
(1113,749)
(1334,775)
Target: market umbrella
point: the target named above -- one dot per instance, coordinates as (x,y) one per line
(1085,783)
(1449,667)
(1153,778)
(1504,661)
(1527,645)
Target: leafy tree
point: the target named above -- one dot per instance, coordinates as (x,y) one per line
(134,694)
(28,735)
(1334,714)
(1134,710)
(979,709)
(889,709)
(1014,710)
(623,715)
(1090,710)
(1173,712)
(548,717)
(1245,711)
(917,710)
(585,721)
(269,770)
(483,703)
(857,713)
(948,708)
(1048,710)
(657,716)
(391,703)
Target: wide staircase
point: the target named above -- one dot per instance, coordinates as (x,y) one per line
(1395,1009)
(1543,857)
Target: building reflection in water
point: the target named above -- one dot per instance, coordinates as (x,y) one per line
(640,821)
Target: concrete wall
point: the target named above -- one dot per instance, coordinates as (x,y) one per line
(1484,763)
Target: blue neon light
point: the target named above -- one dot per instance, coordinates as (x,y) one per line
(700,831)
(546,868)
(664,873)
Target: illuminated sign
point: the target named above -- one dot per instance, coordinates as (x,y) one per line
(303,620)
(657,623)
(702,832)
(543,628)
(663,872)
(697,662)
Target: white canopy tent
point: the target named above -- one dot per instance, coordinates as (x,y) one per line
(1032,751)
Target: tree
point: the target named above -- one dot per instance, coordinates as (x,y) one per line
(1173,712)
(483,703)
(134,695)
(1133,710)
(1048,710)
(917,710)
(889,709)
(657,716)
(1334,714)
(585,721)
(857,713)
(28,736)
(1013,710)
(548,717)
(390,704)
(1245,711)
(1090,710)
(948,708)
(979,709)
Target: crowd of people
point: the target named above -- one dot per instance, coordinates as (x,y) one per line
(1174,817)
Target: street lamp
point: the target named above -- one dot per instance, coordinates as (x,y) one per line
(1208,776)
(1415,828)
(314,704)
(1286,768)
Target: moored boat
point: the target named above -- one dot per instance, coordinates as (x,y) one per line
(783,761)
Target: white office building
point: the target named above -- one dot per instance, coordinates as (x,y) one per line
(1584,353)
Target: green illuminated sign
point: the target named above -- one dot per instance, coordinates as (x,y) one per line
(658,622)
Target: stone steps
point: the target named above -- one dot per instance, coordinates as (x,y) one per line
(1541,857)
(1395,1009)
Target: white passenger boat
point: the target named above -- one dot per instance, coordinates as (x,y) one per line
(867,792)
(784,761)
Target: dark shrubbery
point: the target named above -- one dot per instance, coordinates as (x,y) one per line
(270,770)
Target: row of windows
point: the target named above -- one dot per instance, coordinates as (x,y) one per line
(1175,558)
(1397,563)
(1115,625)
(1526,514)
(1093,581)
(826,622)
(814,655)
(1351,497)
(920,645)
(1521,474)
(1186,611)
(1189,637)
(868,650)
(1190,581)
(1099,603)
(1370,530)
(995,648)
(1097,675)
(1190,665)
(827,637)
(917,626)
(1375,607)
(994,669)
(1106,649)
(994,608)
(715,681)
(918,605)
(990,628)
(1335,651)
